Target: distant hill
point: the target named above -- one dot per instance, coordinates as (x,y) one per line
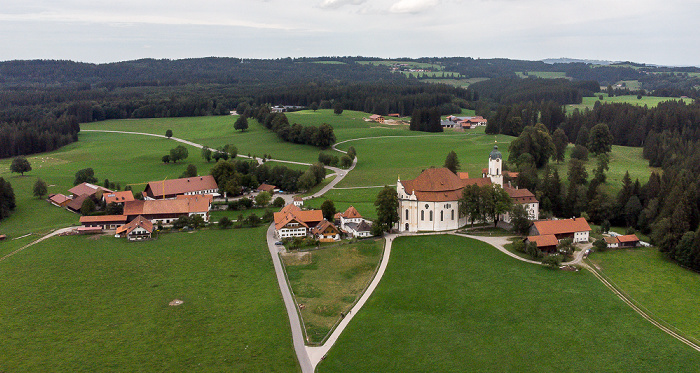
(552,61)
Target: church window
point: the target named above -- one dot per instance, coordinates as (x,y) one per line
(406,214)
(441,215)
(431,215)
(422,215)
(453,214)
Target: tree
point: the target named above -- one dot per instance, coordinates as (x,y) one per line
(560,143)
(325,136)
(86,175)
(451,162)
(352,153)
(197,221)
(278,202)
(20,165)
(306,181)
(552,261)
(602,165)
(263,199)
(178,153)
(40,189)
(579,152)
(470,204)
(566,246)
(600,139)
(600,245)
(87,207)
(114,209)
(577,172)
(532,250)
(253,220)
(387,204)
(191,171)
(338,108)
(536,141)
(225,223)
(519,218)
(169,133)
(7,198)
(206,153)
(328,209)
(165,158)
(345,161)
(241,123)
(496,202)
(313,106)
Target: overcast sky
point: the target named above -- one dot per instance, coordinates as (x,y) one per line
(650,31)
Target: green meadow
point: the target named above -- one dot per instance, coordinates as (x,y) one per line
(661,287)
(452,304)
(542,74)
(102,304)
(650,101)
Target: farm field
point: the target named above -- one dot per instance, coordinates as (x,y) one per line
(650,101)
(361,199)
(543,74)
(90,304)
(446,303)
(327,282)
(657,284)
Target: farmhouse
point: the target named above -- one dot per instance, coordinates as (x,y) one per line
(376,118)
(105,222)
(266,188)
(138,229)
(168,210)
(58,200)
(430,202)
(292,221)
(576,229)
(88,189)
(169,189)
(359,230)
(298,201)
(118,197)
(326,231)
(629,240)
(76,203)
(546,242)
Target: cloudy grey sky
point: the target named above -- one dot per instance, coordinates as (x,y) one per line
(651,31)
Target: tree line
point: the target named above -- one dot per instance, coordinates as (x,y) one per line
(235,176)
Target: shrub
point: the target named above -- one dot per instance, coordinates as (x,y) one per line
(552,261)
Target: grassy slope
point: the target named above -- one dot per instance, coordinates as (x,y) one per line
(451,304)
(102,305)
(661,286)
(650,101)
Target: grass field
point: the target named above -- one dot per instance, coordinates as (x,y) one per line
(666,290)
(450,304)
(84,304)
(464,83)
(418,65)
(327,282)
(622,159)
(650,101)
(361,199)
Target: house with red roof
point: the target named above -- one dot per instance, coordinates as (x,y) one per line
(170,189)
(326,231)
(629,240)
(138,229)
(166,211)
(292,221)
(118,197)
(546,242)
(577,229)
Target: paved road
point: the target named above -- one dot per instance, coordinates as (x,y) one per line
(297,334)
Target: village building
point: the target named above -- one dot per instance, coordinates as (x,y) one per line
(376,118)
(326,231)
(170,189)
(359,230)
(118,197)
(298,201)
(629,240)
(58,200)
(76,203)
(266,188)
(106,222)
(292,221)
(430,202)
(577,229)
(91,190)
(463,122)
(166,211)
(137,229)
(546,242)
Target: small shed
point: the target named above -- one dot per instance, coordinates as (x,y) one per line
(545,242)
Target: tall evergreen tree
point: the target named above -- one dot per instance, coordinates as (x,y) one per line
(452,162)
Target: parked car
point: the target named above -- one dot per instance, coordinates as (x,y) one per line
(278,243)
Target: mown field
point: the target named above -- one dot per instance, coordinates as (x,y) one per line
(84,304)
(542,74)
(665,290)
(327,282)
(650,101)
(451,304)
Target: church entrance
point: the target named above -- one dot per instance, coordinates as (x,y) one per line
(406,226)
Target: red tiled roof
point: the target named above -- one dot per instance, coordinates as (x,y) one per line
(266,188)
(103,219)
(351,213)
(628,238)
(562,226)
(181,205)
(290,208)
(323,226)
(440,185)
(87,188)
(181,186)
(118,197)
(520,195)
(76,203)
(139,221)
(304,217)
(611,240)
(463,175)
(58,199)
(544,240)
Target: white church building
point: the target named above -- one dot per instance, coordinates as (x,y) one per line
(430,202)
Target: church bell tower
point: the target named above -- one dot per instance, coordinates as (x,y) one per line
(496,166)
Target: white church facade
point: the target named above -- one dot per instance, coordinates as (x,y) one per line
(430,202)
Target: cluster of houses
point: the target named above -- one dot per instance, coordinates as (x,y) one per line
(292,222)
(376,118)
(163,203)
(464,123)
